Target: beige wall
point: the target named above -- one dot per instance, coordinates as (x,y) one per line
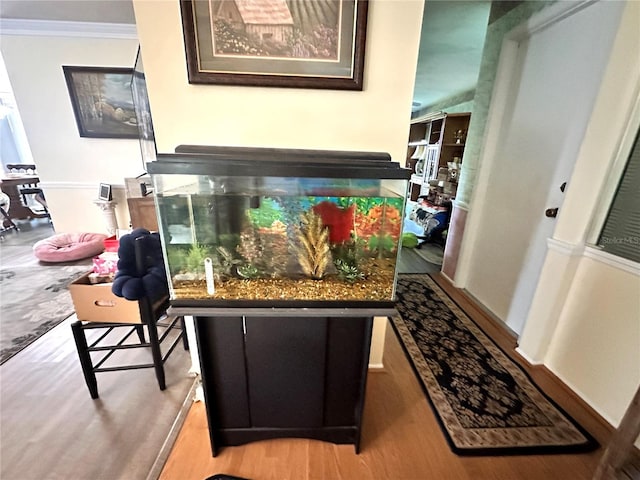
(376,119)
(596,347)
(70,167)
(584,323)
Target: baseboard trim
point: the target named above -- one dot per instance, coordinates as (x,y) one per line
(583,413)
(172,436)
(526,358)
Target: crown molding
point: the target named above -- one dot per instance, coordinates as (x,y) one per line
(51,28)
(77,186)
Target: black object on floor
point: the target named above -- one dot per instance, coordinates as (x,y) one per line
(222,476)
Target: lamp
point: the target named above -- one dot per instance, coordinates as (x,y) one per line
(418,152)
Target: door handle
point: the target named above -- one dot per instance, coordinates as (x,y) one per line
(551,212)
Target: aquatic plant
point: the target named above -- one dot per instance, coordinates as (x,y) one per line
(194,261)
(348,252)
(248,271)
(223,261)
(381,243)
(347,272)
(176,259)
(249,247)
(312,249)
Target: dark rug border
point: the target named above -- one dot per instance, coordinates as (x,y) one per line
(590,445)
(8,353)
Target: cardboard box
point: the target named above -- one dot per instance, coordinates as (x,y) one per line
(96,303)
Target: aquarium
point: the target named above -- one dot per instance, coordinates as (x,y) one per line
(271,228)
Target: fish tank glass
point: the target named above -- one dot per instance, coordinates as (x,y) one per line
(247,228)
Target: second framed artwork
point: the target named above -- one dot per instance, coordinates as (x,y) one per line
(102,101)
(276,43)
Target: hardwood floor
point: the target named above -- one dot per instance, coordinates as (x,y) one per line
(51,429)
(411,262)
(401,440)
(16,246)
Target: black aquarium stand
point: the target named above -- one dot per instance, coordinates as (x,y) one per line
(279,372)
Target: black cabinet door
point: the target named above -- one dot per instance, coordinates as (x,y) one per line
(286,363)
(273,377)
(221,348)
(346,369)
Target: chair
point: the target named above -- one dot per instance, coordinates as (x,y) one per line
(159,327)
(6,223)
(29,190)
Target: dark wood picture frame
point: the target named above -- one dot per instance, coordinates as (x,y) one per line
(339,66)
(102,101)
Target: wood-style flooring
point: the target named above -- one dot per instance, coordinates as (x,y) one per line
(51,429)
(401,440)
(16,246)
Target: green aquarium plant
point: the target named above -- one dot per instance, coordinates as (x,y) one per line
(349,273)
(381,243)
(248,271)
(176,258)
(224,262)
(194,261)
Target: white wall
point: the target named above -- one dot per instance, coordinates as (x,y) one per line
(376,119)
(70,167)
(542,129)
(596,346)
(584,322)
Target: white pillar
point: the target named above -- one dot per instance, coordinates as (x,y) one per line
(108,209)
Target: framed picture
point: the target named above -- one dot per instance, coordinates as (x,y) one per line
(104,193)
(102,101)
(276,43)
(143,112)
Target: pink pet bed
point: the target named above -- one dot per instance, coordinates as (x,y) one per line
(67,247)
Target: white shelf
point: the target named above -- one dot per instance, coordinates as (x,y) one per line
(417,179)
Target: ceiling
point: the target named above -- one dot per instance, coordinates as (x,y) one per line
(450,47)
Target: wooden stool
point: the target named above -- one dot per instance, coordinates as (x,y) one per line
(151,315)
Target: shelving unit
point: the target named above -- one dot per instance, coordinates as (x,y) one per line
(435,142)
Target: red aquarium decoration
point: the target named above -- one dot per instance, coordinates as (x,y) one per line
(339,220)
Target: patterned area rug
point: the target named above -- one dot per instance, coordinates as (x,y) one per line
(34,300)
(485,403)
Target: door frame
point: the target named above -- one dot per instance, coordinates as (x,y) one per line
(504,91)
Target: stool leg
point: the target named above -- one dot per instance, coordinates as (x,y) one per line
(185,340)
(140,331)
(157,355)
(85,358)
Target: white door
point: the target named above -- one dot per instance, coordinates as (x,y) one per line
(555,78)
